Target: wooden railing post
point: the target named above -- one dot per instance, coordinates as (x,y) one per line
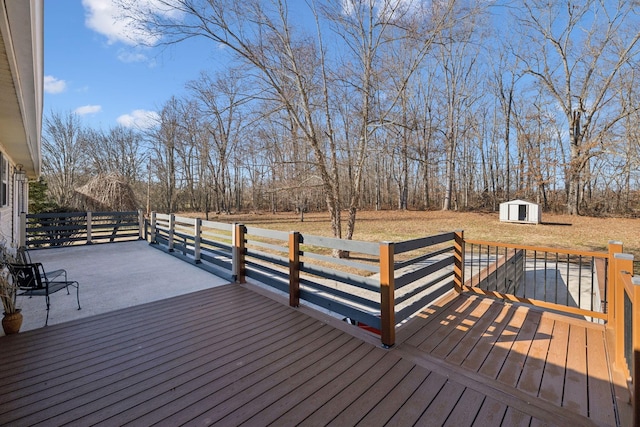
(237,256)
(458,263)
(635,282)
(153,228)
(196,240)
(172,227)
(615,247)
(140,224)
(89,219)
(22,238)
(622,263)
(294,269)
(387,294)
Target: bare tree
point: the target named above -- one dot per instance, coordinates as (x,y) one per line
(118,151)
(579,49)
(63,155)
(458,61)
(220,100)
(162,153)
(295,72)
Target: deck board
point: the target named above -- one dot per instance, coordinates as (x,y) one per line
(416,380)
(493,362)
(575,383)
(228,356)
(466,409)
(440,408)
(343,400)
(531,375)
(552,386)
(600,405)
(371,397)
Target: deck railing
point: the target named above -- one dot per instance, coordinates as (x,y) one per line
(197,240)
(378,286)
(72,228)
(570,281)
(624,325)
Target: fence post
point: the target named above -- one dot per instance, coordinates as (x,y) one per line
(623,263)
(196,240)
(294,269)
(615,247)
(140,224)
(22,238)
(387,294)
(635,283)
(89,219)
(458,263)
(172,227)
(153,228)
(237,255)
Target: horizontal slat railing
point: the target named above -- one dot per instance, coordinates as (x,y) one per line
(424,270)
(205,243)
(300,265)
(70,228)
(360,287)
(559,279)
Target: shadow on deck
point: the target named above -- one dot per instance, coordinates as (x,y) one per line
(235,354)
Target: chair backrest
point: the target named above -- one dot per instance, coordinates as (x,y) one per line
(23,256)
(27,276)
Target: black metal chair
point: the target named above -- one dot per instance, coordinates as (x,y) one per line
(32,281)
(24,257)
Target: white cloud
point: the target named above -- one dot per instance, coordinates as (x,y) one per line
(129,56)
(108,18)
(88,109)
(53,85)
(140,119)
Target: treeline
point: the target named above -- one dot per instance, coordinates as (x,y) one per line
(347,105)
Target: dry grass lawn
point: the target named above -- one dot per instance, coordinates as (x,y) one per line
(557,231)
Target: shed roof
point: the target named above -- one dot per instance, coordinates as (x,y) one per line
(519,202)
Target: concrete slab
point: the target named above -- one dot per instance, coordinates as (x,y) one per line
(111,276)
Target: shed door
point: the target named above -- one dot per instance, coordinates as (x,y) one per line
(514,212)
(522,212)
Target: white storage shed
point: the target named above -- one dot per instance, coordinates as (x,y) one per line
(520,211)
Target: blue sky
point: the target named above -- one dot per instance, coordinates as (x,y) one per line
(93,68)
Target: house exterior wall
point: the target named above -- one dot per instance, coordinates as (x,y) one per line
(21,92)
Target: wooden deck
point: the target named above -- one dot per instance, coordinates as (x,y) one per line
(231,356)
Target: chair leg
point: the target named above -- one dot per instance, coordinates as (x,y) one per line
(46,322)
(78,294)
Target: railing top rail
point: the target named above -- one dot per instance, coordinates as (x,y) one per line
(184,220)
(358,246)
(629,282)
(409,245)
(538,248)
(57,215)
(69,214)
(223,226)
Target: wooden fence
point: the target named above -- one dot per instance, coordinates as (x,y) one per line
(377,287)
(73,228)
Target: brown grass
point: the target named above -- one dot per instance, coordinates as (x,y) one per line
(556,231)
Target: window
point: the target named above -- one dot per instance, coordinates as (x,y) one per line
(4,180)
